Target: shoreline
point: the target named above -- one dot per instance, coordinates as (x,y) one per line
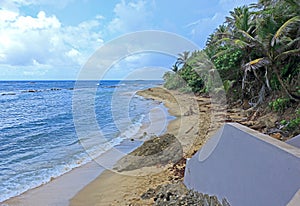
(62,188)
(124,188)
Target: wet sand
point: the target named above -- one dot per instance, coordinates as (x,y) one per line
(126,188)
(61,189)
(89,185)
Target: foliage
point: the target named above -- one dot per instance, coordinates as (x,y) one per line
(280,104)
(228,63)
(268,36)
(293,123)
(227,85)
(255,51)
(186,89)
(192,78)
(173,81)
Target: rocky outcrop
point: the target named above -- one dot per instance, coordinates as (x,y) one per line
(178,194)
(156,151)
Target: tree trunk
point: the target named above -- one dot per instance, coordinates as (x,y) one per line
(283,85)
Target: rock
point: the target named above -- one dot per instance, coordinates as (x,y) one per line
(177,194)
(156,151)
(30,91)
(8,94)
(149,194)
(55,89)
(276,135)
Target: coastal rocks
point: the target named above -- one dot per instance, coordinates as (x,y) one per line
(8,94)
(177,194)
(156,151)
(55,89)
(31,91)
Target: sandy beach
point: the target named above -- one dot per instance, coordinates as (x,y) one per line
(191,128)
(196,118)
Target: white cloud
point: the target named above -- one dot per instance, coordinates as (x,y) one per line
(43,40)
(6,15)
(24,23)
(14,5)
(130,16)
(73,53)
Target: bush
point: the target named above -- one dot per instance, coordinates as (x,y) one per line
(293,124)
(173,81)
(186,89)
(280,104)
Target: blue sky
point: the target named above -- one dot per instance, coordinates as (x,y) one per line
(42,39)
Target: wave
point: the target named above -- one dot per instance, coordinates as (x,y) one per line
(35,177)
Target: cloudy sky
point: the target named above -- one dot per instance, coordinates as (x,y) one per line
(40,39)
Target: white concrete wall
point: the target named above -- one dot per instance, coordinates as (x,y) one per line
(295,141)
(246,167)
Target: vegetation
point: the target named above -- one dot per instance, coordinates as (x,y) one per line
(280,104)
(255,52)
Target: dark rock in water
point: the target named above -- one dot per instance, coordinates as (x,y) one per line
(156,151)
(55,89)
(112,86)
(177,194)
(30,91)
(8,94)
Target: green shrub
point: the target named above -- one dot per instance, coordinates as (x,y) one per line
(227,85)
(280,104)
(173,81)
(186,89)
(294,123)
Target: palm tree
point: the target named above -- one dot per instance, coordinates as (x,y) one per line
(274,50)
(174,68)
(240,19)
(182,58)
(272,43)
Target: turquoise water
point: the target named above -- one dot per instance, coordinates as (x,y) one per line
(38,140)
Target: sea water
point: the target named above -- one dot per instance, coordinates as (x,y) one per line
(38,139)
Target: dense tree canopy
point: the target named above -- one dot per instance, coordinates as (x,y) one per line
(256,50)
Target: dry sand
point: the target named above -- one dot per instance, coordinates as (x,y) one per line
(197,119)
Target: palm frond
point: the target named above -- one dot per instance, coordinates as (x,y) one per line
(293,52)
(289,45)
(284,29)
(247,35)
(222,53)
(255,64)
(240,43)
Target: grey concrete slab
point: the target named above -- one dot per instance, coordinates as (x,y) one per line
(246,167)
(295,141)
(296,200)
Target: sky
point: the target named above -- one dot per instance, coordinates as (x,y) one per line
(53,40)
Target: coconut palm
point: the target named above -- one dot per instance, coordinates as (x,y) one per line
(240,19)
(271,43)
(274,50)
(182,58)
(174,68)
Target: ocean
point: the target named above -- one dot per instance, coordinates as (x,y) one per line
(38,138)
